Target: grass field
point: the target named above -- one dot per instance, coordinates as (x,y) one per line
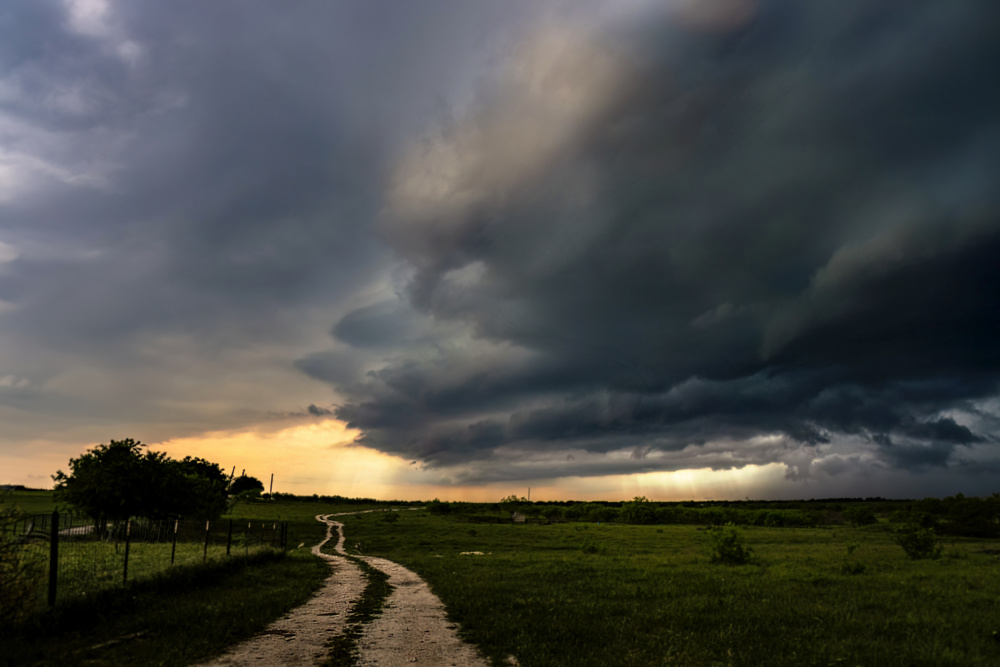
(588,594)
(31,502)
(181,616)
(575,594)
(171,615)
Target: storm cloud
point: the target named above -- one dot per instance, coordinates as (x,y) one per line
(511,242)
(782,222)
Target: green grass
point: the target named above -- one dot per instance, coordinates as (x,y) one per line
(584,594)
(300,515)
(184,615)
(31,502)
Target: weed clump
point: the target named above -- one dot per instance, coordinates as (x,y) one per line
(729,547)
(918,541)
(849,566)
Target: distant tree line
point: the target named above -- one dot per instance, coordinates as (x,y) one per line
(339,500)
(955,515)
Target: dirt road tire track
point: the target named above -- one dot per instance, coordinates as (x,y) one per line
(413,628)
(300,637)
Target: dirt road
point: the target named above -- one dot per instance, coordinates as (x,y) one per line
(413,627)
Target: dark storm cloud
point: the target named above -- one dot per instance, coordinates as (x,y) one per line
(777,223)
(184,186)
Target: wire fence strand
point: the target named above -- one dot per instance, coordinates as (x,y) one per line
(74,556)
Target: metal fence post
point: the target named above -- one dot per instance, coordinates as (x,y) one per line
(128,544)
(173,548)
(53,557)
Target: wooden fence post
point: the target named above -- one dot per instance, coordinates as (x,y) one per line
(229,537)
(205,555)
(53,557)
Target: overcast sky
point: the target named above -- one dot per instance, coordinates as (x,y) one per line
(709,248)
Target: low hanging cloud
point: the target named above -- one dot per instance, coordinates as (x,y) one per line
(716,223)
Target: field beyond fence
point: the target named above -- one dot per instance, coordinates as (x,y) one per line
(71,556)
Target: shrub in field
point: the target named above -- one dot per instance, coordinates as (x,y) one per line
(850,566)
(390,517)
(860,515)
(245,483)
(917,541)
(437,507)
(728,546)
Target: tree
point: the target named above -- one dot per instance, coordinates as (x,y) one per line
(202,493)
(515,505)
(245,483)
(123,479)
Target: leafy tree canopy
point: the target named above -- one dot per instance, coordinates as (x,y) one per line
(123,479)
(245,483)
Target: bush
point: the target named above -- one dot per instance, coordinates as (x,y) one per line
(860,515)
(729,546)
(437,507)
(638,511)
(917,541)
(850,566)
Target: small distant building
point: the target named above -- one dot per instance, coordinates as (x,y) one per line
(517,517)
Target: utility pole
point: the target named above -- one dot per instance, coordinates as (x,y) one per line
(271,488)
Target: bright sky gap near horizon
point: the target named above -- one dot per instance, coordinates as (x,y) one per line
(681,249)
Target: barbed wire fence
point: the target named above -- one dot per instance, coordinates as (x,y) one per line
(74,556)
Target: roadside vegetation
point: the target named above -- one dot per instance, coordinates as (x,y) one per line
(179,614)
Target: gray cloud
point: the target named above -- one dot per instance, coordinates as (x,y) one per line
(511,242)
(781,225)
(187,193)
